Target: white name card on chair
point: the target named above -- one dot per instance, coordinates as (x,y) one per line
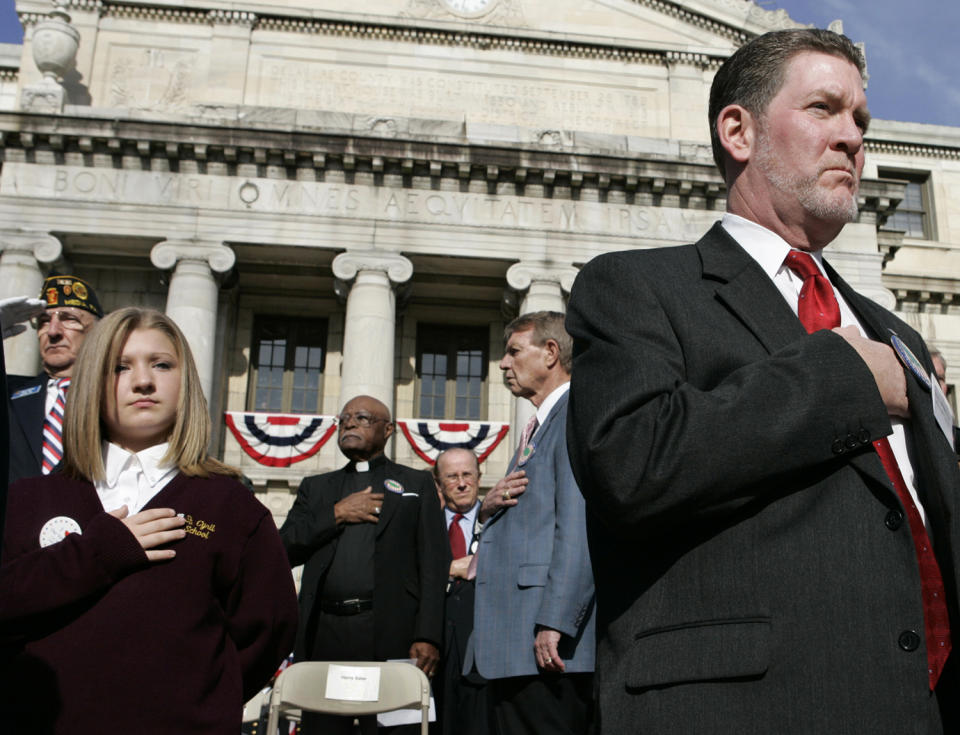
(353,683)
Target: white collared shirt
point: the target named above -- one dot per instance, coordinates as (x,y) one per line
(133,479)
(548,403)
(53,390)
(770,250)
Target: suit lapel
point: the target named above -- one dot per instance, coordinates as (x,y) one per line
(871,318)
(749,294)
(391,499)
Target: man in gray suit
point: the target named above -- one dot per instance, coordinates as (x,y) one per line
(533,635)
(773,506)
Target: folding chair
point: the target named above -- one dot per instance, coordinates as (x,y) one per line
(254,708)
(303,687)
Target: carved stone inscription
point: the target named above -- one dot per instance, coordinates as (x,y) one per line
(269,196)
(150,77)
(510,99)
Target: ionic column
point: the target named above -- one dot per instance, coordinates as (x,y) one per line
(193,294)
(541,286)
(368,334)
(21,274)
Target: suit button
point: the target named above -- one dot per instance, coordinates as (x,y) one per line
(852,442)
(894,519)
(909,640)
(864,436)
(837,446)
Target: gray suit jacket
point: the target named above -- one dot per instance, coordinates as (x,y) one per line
(533,567)
(754,570)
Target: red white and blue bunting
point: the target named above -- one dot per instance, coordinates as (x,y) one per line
(429,438)
(280,439)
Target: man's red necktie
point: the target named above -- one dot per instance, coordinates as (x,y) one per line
(458,545)
(818,309)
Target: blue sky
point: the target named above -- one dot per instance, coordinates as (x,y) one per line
(910,45)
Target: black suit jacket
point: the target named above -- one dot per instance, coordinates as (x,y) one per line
(28,397)
(4,443)
(458,617)
(410,562)
(727,463)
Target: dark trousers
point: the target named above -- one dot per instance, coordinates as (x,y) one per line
(542,705)
(464,708)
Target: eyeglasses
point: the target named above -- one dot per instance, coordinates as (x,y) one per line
(67,319)
(455,478)
(364,420)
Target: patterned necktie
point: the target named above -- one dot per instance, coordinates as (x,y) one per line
(458,545)
(53,429)
(818,309)
(528,431)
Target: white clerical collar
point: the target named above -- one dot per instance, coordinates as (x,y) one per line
(116,459)
(763,245)
(549,402)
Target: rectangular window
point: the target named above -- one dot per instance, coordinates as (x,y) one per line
(286,367)
(913,213)
(451,371)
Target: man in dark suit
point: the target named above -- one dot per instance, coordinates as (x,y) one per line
(762,473)
(533,636)
(72,309)
(13,312)
(463,697)
(370,537)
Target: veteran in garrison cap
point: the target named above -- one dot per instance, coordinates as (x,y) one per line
(37,402)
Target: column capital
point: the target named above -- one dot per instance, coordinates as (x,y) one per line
(397,268)
(521,275)
(41,245)
(165,255)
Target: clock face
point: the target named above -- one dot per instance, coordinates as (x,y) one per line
(469,8)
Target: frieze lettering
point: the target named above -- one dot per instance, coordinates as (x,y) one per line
(270,196)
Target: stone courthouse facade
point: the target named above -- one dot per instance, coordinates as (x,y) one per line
(334,197)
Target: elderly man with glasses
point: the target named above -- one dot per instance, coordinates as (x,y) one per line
(37,402)
(370,536)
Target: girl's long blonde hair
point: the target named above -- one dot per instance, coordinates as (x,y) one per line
(94,374)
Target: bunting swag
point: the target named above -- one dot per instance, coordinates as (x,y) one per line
(429,438)
(280,439)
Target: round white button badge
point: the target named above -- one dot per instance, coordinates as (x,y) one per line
(57,529)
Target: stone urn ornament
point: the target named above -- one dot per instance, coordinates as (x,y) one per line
(55,43)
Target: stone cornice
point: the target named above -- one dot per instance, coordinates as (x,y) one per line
(516,40)
(541,45)
(911,149)
(664,176)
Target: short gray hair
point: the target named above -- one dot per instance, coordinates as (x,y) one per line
(546,325)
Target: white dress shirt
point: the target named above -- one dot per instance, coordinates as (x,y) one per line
(549,402)
(770,251)
(465,523)
(133,479)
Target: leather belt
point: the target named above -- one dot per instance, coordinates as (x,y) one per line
(345,607)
